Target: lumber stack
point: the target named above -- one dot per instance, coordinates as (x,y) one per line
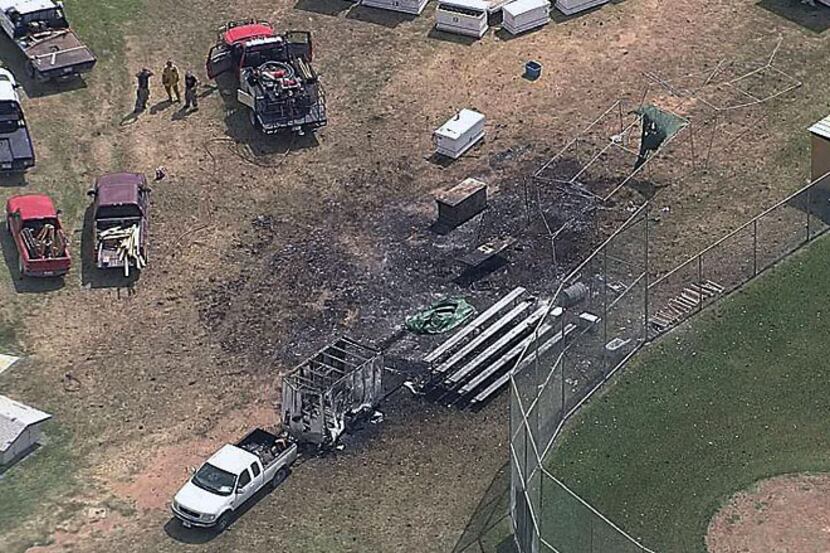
(126,242)
(46,243)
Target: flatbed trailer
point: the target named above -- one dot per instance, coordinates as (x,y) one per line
(40,30)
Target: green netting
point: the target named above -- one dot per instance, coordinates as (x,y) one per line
(440,317)
(658,126)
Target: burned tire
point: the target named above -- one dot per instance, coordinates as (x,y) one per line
(279,477)
(224,521)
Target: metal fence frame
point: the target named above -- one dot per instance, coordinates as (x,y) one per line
(531,439)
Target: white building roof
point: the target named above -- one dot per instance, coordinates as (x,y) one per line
(462,122)
(519,7)
(822,128)
(15,418)
(26,6)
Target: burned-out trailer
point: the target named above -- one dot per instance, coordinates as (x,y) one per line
(328,390)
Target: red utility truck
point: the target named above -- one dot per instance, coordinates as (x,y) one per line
(275,78)
(36,229)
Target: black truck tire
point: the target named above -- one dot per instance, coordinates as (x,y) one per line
(20,267)
(279,477)
(224,521)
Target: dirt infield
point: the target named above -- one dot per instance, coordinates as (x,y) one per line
(787,514)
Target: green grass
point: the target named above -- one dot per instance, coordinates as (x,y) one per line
(740,395)
(45,472)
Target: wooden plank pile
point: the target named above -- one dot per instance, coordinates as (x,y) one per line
(126,241)
(47,243)
(684,303)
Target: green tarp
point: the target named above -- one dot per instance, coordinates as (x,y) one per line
(658,126)
(440,317)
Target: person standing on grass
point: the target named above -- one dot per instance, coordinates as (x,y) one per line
(170,80)
(190,84)
(143,92)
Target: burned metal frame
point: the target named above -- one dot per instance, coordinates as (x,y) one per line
(338,381)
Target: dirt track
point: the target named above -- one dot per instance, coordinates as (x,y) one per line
(263,250)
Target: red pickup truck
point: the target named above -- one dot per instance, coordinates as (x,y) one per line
(42,249)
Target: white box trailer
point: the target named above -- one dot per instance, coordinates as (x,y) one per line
(459,134)
(414,7)
(462,17)
(570,7)
(523,15)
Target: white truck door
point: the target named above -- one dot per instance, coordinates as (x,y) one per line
(245,488)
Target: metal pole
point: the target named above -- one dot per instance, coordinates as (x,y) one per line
(808,210)
(645,291)
(700,279)
(755,247)
(604,306)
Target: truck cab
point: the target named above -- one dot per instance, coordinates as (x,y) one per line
(16,150)
(231,477)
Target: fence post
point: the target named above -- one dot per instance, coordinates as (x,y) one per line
(645,279)
(755,247)
(809,209)
(700,279)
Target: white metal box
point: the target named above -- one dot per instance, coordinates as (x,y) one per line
(462,17)
(820,149)
(414,7)
(459,134)
(523,15)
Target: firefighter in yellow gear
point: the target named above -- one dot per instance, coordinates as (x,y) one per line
(170,80)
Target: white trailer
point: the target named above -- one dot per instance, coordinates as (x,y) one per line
(462,17)
(570,7)
(414,7)
(459,134)
(523,15)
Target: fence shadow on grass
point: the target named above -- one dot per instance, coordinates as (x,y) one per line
(488,530)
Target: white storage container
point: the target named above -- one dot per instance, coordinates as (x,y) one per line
(462,17)
(523,15)
(459,134)
(570,7)
(414,7)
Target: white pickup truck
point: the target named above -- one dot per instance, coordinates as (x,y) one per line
(231,477)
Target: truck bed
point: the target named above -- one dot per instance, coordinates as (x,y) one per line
(59,54)
(16,152)
(263,444)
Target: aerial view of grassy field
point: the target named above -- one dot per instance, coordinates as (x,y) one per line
(737,396)
(263,249)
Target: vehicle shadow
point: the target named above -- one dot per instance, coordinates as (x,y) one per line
(14,61)
(246,142)
(22,284)
(195,536)
(10,180)
(92,276)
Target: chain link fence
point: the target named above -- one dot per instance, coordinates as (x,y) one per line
(606,309)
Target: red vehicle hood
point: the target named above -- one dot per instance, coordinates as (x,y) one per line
(244,33)
(32,206)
